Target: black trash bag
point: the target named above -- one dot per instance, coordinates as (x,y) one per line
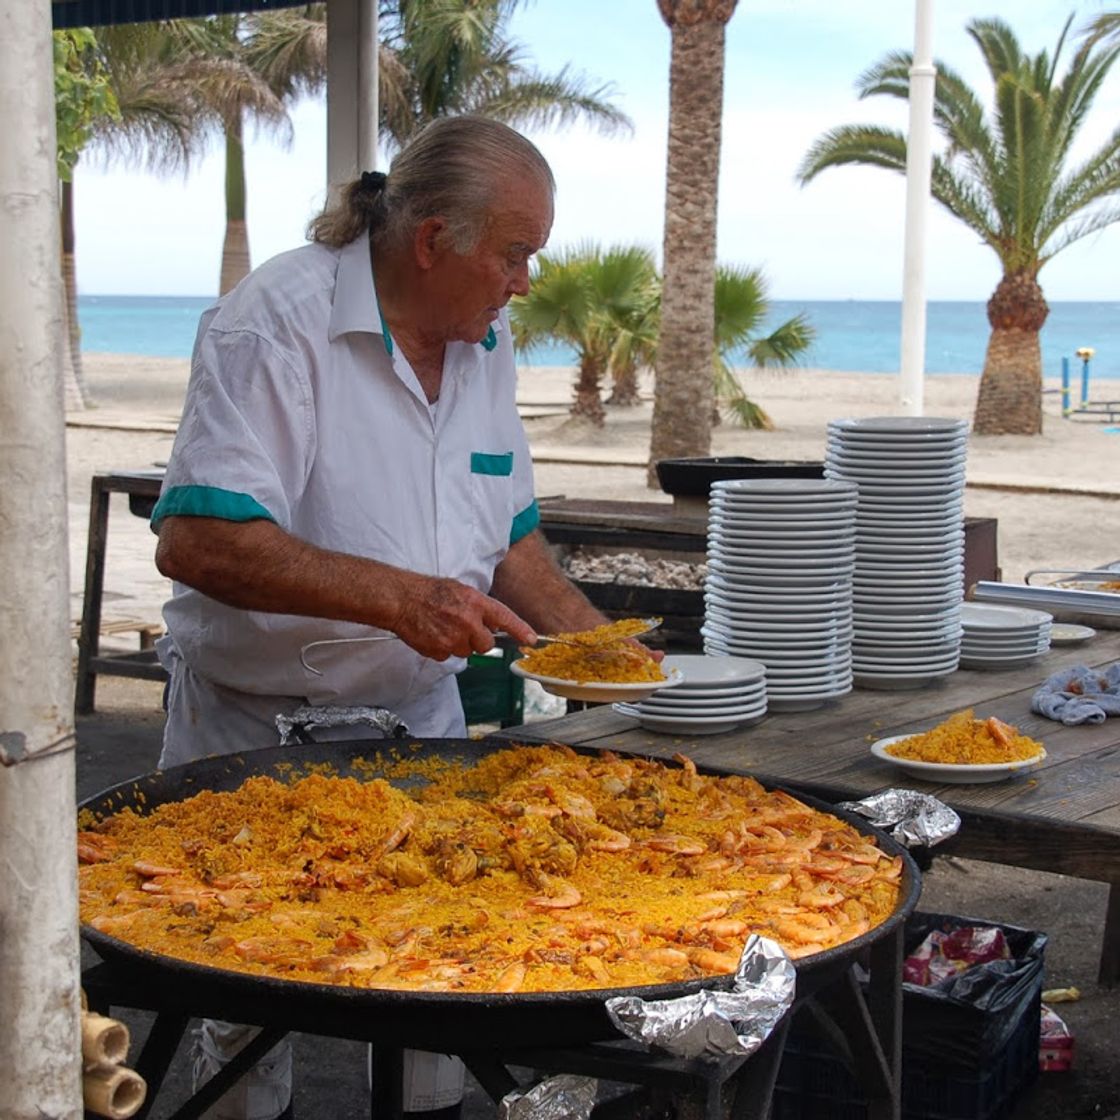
(966,1019)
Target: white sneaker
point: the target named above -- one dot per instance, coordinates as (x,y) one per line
(263,1093)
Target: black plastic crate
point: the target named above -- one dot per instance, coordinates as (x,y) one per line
(816,1083)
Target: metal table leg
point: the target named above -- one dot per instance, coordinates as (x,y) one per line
(89,636)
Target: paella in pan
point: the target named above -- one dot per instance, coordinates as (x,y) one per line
(528,869)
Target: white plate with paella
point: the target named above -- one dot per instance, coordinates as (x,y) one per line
(962,750)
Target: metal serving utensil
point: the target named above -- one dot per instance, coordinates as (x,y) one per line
(1091,575)
(648,625)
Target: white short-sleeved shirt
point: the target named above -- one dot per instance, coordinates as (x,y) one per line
(299,409)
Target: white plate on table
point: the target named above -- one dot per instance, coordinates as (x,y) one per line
(950,772)
(713,672)
(687,725)
(598,692)
(1070,634)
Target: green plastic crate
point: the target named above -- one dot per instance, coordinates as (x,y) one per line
(489,691)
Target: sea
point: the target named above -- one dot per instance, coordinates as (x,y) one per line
(852,335)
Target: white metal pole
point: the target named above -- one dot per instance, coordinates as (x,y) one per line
(367,85)
(919,151)
(40,1048)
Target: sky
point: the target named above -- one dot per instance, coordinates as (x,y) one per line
(791,68)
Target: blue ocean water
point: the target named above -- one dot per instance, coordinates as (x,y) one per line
(860,335)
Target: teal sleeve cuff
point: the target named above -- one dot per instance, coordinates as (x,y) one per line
(207,501)
(525,522)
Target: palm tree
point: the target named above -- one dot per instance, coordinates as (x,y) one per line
(595,301)
(741,306)
(446,57)
(1009,176)
(682,409)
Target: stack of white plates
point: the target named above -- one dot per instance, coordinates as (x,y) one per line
(717,694)
(909,544)
(1002,637)
(779,584)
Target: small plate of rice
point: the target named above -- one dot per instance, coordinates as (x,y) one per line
(599,692)
(962,750)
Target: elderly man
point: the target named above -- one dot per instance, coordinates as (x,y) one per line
(351,463)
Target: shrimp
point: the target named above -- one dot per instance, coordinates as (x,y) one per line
(95,848)
(711,961)
(665,957)
(559,893)
(148,870)
(689,778)
(678,845)
(511,977)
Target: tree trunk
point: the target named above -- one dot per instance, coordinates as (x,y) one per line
(1009,401)
(75,393)
(624,387)
(683,396)
(40,978)
(588,402)
(235,248)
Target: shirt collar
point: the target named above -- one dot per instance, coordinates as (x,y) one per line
(355,306)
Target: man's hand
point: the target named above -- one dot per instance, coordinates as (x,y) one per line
(443,618)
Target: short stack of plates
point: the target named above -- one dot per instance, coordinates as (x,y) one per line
(1002,637)
(779,584)
(717,694)
(909,544)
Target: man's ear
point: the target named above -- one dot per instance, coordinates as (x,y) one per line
(430,241)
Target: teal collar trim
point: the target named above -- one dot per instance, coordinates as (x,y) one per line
(207,501)
(488,343)
(385,334)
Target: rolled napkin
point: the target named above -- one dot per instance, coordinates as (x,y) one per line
(1079,695)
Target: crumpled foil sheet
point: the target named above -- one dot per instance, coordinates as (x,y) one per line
(563,1097)
(309,717)
(915,820)
(713,1023)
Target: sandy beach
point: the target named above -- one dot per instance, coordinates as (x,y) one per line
(1054,495)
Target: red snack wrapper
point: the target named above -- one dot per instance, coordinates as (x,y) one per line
(946,954)
(1055,1048)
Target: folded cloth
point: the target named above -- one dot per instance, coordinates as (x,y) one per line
(1079,695)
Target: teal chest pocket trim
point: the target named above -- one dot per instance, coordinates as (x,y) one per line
(482,463)
(207,501)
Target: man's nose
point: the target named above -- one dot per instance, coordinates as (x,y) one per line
(519,282)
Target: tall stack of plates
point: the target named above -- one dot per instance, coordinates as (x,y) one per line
(779,584)
(909,544)
(717,694)
(1002,637)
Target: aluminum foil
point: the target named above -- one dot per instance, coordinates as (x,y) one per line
(564,1097)
(915,820)
(309,717)
(713,1023)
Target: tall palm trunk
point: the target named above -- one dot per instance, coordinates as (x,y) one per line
(1009,401)
(588,402)
(624,387)
(682,409)
(235,247)
(74,384)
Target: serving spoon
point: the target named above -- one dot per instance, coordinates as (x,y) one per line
(648,624)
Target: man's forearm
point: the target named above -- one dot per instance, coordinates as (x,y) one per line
(530,582)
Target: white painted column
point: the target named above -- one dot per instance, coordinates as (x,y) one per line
(40,1049)
(351,89)
(919,150)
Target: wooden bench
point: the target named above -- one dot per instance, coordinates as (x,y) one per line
(146,631)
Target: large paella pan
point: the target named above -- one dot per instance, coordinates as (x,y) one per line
(433,1019)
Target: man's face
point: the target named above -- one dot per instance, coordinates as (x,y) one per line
(473,287)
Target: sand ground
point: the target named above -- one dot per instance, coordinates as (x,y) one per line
(1054,496)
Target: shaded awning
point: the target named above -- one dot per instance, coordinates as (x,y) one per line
(97,13)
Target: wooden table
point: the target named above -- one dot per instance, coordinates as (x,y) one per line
(1063,816)
(142,488)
